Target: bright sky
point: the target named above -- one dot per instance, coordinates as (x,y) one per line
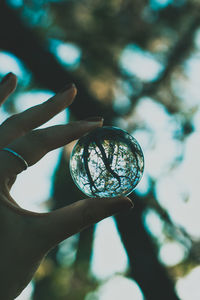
(117,287)
(106,261)
(10,62)
(172,187)
(67,53)
(188,287)
(140,63)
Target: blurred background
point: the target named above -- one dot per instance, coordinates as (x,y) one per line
(137,64)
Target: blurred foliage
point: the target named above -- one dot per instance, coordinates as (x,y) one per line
(102,30)
(62,282)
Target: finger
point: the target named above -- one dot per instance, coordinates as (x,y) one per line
(62,223)
(19,124)
(36,144)
(7,86)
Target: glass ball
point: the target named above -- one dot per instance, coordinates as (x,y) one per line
(107,162)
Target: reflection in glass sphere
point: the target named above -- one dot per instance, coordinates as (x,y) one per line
(107,162)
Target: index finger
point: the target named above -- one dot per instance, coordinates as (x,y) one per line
(19,124)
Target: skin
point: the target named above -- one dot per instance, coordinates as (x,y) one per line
(26,237)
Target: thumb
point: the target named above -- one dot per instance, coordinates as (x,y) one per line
(62,223)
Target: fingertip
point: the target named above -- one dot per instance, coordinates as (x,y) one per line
(95,119)
(121,202)
(9,78)
(113,205)
(91,123)
(128,201)
(13,82)
(69,87)
(68,92)
(7,86)
(75,91)
(6,78)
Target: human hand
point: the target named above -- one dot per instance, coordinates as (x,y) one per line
(25,236)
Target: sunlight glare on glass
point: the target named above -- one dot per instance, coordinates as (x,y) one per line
(67,53)
(135,61)
(109,255)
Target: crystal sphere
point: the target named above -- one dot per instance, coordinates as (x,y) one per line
(107,162)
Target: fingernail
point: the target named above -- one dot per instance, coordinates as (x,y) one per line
(124,202)
(95,119)
(67,87)
(6,77)
(131,205)
(129,202)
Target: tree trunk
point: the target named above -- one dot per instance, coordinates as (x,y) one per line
(145,268)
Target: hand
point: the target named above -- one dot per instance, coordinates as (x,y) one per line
(26,236)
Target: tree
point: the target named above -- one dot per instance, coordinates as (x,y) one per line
(102,30)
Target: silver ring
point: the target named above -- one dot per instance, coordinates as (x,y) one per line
(18,156)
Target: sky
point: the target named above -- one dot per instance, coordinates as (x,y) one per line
(107,265)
